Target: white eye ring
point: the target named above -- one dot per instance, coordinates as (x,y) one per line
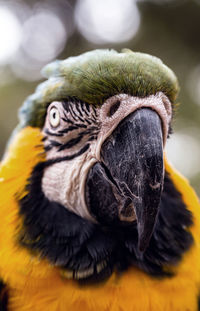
(54,117)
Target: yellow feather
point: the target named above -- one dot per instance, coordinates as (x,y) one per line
(36,285)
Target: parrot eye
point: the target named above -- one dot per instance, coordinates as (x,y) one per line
(54,117)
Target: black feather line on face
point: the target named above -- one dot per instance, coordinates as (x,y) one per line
(91,252)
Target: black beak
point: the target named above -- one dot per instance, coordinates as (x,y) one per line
(127,185)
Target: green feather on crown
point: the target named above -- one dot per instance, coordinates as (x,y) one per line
(94,76)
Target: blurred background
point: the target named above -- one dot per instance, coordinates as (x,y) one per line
(33,33)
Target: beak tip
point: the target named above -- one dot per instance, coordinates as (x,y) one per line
(144,236)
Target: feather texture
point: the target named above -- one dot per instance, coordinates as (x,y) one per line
(30,278)
(95,76)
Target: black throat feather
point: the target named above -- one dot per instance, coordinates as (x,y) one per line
(89,252)
(3,297)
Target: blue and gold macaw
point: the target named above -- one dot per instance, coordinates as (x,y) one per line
(92,215)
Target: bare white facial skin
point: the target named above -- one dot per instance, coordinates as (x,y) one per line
(64,182)
(128,104)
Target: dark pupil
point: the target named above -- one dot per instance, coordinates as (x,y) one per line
(54,115)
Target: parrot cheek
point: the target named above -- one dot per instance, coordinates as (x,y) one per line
(64,183)
(110,171)
(125,186)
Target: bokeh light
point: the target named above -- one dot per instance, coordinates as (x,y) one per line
(183,150)
(34,32)
(44,36)
(31,36)
(107,20)
(10,34)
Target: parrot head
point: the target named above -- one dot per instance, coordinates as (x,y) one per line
(93,202)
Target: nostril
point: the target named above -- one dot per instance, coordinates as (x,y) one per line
(113,108)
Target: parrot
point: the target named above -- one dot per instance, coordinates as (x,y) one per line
(93,215)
